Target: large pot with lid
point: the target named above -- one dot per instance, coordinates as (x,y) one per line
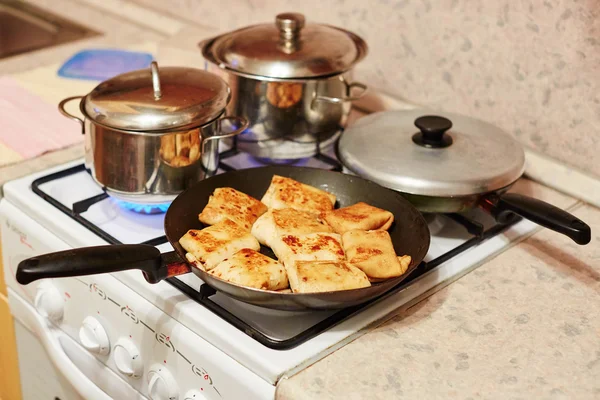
(150,134)
(292,80)
(447,163)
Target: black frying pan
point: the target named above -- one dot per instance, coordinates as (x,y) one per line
(409,234)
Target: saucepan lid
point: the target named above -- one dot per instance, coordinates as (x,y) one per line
(431,153)
(151,100)
(288,48)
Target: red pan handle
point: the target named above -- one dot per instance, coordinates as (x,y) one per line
(538,211)
(101,260)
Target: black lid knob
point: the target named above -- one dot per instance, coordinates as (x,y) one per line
(433,131)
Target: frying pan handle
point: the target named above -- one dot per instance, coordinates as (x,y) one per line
(542,213)
(100,260)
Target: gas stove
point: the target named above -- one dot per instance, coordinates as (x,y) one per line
(193,339)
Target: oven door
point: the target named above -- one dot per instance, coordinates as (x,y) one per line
(54,366)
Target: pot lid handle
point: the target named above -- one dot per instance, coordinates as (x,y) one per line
(156,81)
(432,131)
(289,25)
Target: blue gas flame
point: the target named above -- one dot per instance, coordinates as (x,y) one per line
(143,208)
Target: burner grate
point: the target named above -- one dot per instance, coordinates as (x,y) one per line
(80,207)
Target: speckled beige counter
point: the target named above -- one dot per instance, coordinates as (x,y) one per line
(525,325)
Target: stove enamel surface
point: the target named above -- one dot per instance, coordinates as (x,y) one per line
(22,208)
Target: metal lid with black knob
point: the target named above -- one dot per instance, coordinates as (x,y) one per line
(431,153)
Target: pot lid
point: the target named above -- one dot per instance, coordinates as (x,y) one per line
(288,48)
(430,153)
(152,100)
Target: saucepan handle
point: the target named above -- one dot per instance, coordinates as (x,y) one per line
(61,108)
(351,95)
(240,124)
(101,260)
(540,212)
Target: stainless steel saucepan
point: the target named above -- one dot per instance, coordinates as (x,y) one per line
(149,135)
(290,79)
(446,163)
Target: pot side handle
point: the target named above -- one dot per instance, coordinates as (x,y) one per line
(541,213)
(362,90)
(61,108)
(102,259)
(240,123)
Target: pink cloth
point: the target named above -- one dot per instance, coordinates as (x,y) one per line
(29,125)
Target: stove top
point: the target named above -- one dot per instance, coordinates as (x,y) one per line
(270,343)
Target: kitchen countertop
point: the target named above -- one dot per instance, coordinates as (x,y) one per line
(523,325)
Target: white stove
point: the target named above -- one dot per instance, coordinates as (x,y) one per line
(179,340)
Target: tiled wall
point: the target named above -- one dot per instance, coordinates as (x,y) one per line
(530,66)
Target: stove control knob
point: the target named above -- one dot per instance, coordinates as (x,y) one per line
(93,337)
(194,395)
(128,359)
(161,384)
(49,302)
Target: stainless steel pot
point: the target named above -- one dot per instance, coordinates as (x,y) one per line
(448,163)
(291,80)
(150,135)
